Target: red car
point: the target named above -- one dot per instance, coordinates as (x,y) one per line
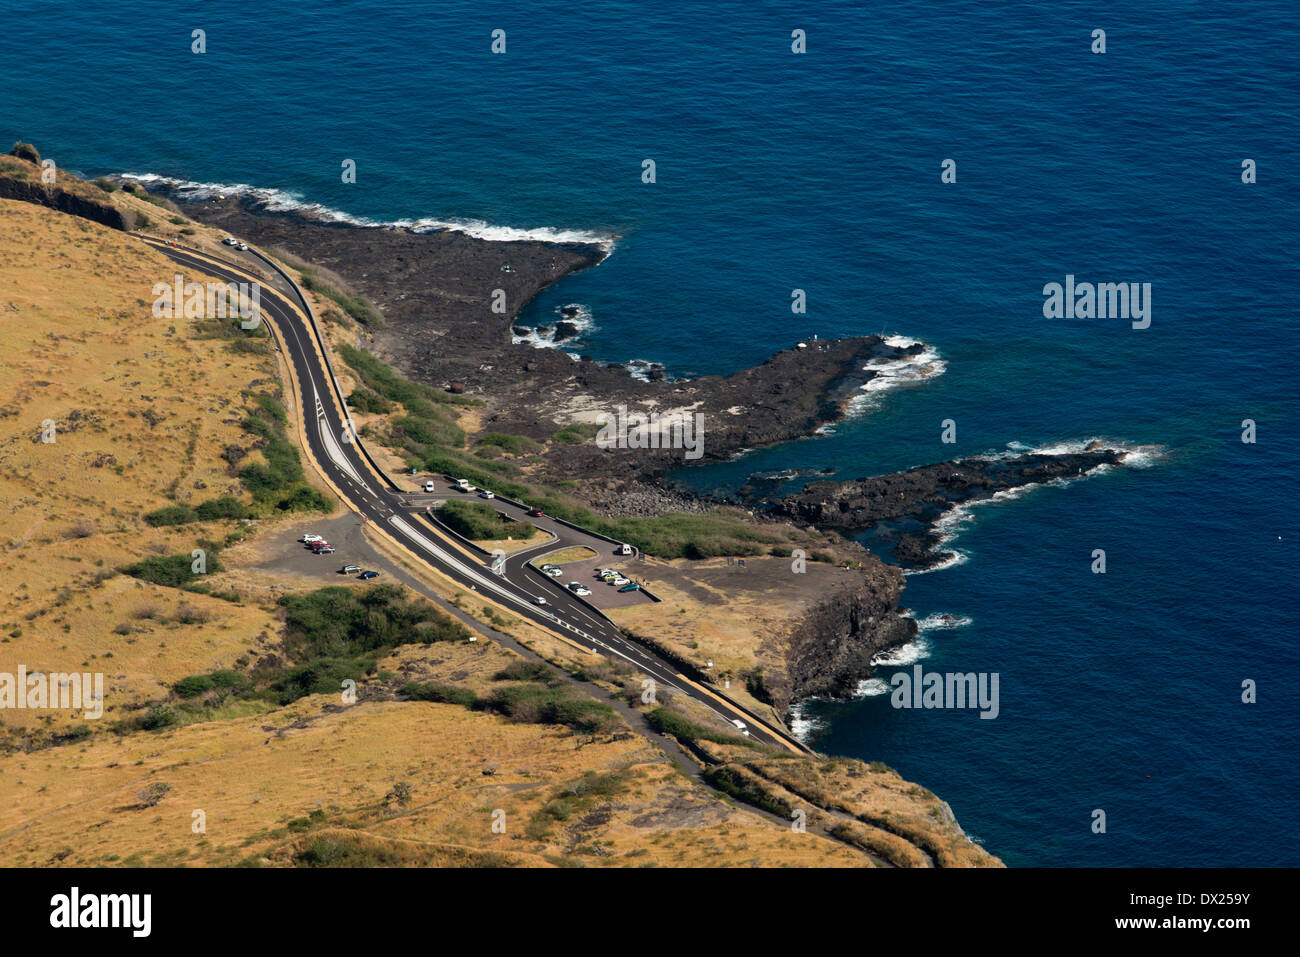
(317,546)
(535,512)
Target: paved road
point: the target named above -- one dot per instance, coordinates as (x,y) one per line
(560,536)
(338,453)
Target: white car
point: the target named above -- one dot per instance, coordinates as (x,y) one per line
(230,241)
(740,725)
(242,247)
(620,581)
(428,486)
(539,600)
(582,591)
(312,538)
(486,494)
(555,572)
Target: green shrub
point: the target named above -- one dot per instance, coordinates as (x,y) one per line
(158,717)
(193,686)
(357,307)
(171,515)
(225,678)
(227,506)
(729,781)
(514,444)
(537,704)
(669,722)
(363,400)
(27,152)
(524,671)
(172,571)
(478,521)
(576,433)
(445,693)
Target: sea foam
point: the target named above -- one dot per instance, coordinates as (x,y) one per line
(281,200)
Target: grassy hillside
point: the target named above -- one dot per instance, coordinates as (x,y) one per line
(225,688)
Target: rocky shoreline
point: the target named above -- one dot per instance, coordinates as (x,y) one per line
(910,503)
(434,290)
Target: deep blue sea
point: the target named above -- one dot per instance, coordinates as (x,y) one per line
(821,172)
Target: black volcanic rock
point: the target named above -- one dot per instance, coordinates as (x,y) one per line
(926,493)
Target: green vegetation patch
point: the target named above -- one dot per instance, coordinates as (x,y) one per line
(479,521)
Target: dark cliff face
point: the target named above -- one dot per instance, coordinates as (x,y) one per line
(55,197)
(830,651)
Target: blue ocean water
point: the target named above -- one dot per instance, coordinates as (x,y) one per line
(821,172)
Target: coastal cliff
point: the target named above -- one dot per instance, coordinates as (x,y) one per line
(20,179)
(830,650)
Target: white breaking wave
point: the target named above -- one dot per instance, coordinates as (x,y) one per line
(952,523)
(870,687)
(803,725)
(908,654)
(941,621)
(582,318)
(641,369)
(281,200)
(889,374)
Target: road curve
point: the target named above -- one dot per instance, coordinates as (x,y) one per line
(366,490)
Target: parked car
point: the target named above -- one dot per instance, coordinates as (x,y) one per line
(463,485)
(230,241)
(242,247)
(582,591)
(325,550)
(312,538)
(428,485)
(367,575)
(486,494)
(632,587)
(554,572)
(535,513)
(318,547)
(624,550)
(350,569)
(620,581)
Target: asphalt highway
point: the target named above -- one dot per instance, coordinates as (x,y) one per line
(338,453)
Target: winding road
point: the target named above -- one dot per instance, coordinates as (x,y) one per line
(399,514)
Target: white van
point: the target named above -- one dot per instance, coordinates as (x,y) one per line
(623,550)
(463,485)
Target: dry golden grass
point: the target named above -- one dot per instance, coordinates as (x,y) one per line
(736,617)
(877,802)
(131,434)
(143,411)
(80,804)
